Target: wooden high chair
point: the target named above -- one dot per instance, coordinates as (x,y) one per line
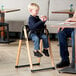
(24,31)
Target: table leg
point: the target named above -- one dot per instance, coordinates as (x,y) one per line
(75,49)
(2,15)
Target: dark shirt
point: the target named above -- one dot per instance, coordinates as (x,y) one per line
(35,24)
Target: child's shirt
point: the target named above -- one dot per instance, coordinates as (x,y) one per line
(35,24)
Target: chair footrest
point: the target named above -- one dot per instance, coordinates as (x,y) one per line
(43,69)
(26,65)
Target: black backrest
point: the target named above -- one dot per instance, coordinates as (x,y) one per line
(22,31)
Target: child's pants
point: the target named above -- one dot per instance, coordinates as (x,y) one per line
(36,39)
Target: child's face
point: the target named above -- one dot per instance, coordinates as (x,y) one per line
(34,12)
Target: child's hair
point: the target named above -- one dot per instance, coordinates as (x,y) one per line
(33,6)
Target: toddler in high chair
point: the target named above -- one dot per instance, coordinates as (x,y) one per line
(37,26)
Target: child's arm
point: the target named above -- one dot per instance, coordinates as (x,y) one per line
(33,24)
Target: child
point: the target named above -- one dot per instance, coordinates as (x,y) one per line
(37,25)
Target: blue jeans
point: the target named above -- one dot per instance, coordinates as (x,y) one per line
(36,39)
(73,47)
(62,37)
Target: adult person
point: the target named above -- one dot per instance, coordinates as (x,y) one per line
(63,34)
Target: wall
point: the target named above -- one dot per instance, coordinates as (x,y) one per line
(23,14)
(13,4)
(60,5)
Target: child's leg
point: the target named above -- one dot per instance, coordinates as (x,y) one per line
(45,41)
(36,41)
(45,44)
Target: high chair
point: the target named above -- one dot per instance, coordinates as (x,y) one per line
(24,31)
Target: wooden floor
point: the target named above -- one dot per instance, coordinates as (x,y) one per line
(8,54)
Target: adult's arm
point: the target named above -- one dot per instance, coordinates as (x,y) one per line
(73,19)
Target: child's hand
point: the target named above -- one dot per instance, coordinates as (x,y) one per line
(43,18)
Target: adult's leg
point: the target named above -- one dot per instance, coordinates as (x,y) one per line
(62,37)
(73,52)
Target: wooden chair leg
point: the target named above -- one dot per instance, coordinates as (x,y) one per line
(29,54)
(50,51)
(40,49)
(18,53)
(28,49)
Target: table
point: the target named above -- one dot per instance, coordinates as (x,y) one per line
(69,69)
(2,19)
(64,12)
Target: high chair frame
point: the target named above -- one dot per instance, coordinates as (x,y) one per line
(24,30)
